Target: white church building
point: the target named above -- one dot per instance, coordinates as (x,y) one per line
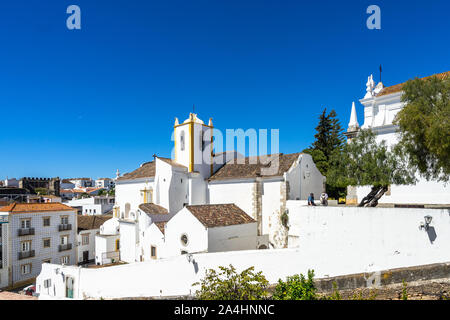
(243,200)
(381,105)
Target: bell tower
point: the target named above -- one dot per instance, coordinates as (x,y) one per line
(194,145)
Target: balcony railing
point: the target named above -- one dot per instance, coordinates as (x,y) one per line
(110,257)
(64,247)
(25,231)
(63,227)
(26,254)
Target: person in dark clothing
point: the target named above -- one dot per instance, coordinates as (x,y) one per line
(311,200)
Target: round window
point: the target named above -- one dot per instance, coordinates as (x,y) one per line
(184,239)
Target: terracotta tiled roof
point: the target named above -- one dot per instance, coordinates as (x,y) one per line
(91,222)
(152,208)
(398,87)
(250,169)
(219,215)
(66,191)
(161,225)
(146,170)
(36,207)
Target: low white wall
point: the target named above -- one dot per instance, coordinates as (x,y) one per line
(368,239)
(423,192)
(232,238)
(333,241)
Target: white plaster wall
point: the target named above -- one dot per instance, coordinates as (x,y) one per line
(197,190)
(87,247)
(130,192)
(182,156)
(171,186)
(333,241)
(271,202)
(371,238)
(153,237)
(230,238)
(185,223)
(128,241)
(104,244)
(110,226)
(312,181)
(239,193)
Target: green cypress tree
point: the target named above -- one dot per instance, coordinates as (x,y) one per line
(328,139)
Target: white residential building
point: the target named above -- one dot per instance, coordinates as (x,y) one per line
(13,182)
(105,183)
(4,262)
(37,233)
(88,228)
(96,205)
(82,182)
(197,176)
(381,105)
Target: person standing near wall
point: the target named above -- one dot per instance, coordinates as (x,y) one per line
(324,199)
(311,200)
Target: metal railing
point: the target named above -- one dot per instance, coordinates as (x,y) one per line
(63,227)
(110,257)
(64,247)
(25,231)
(26,254)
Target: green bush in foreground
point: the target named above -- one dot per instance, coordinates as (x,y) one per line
(296,287)
(227,284)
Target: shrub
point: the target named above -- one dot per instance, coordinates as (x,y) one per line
(296,287)
(227,284)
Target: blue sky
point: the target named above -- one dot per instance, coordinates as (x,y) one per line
(86,102)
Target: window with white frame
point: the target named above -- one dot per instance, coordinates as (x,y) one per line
(65,239)
(25,246)
(65,220)
(65,260)
(85,239)
(25,223)
(25,268)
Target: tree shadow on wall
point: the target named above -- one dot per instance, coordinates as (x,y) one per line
(431,234)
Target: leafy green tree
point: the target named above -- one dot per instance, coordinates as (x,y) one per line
(296,287)
(365,162)
(328,139)
(424,124)
(41,191)
(227,284)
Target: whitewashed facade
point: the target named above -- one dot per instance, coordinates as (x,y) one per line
(381,105)
(197,176)
(38,233)
(334,241)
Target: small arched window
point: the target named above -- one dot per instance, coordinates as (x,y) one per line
(182,140)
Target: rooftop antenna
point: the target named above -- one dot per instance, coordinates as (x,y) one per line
(381,70)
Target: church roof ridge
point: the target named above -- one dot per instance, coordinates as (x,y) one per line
(398,87)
